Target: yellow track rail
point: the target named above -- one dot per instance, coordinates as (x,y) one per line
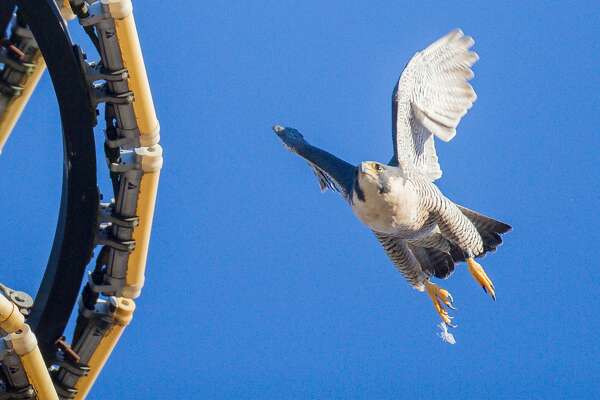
(151,160)
(151,152)
(11,115)
(24,344)
(121,317)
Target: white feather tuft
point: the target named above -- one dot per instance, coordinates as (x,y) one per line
(445,335)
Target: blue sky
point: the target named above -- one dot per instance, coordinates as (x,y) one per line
(258,286)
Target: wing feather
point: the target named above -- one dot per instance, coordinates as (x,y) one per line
(332,172)
(430,98)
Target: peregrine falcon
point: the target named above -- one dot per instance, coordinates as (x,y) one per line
(424,233)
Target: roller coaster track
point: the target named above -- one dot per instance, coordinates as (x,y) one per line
(36,361)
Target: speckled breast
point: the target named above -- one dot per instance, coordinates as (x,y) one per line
(397,212)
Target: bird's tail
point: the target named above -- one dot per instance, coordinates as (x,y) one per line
(489,229)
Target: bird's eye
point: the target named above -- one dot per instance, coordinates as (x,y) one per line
(378,168)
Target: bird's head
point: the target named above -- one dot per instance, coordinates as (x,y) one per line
(372,178)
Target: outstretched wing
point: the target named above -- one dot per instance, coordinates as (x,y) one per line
(430,98)
(332,172)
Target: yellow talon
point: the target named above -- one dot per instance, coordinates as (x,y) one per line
(440,297)
(481,277)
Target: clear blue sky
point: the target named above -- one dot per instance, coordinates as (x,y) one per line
(260,287)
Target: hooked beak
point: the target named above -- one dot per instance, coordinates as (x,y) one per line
(367,169)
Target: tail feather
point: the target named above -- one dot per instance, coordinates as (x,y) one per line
(485,223)
(437,255)
(489,229)
(433,261)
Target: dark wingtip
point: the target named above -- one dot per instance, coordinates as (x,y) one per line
(291,138)
(503,228)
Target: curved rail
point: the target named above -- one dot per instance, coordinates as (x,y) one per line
(76,228)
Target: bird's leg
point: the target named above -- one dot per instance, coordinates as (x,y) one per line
(481,277)
(440,297)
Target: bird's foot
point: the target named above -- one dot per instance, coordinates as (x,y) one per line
(441,298)
(481,277)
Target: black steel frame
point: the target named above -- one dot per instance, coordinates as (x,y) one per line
(77,223)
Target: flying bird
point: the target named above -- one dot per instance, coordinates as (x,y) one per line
(424,233)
